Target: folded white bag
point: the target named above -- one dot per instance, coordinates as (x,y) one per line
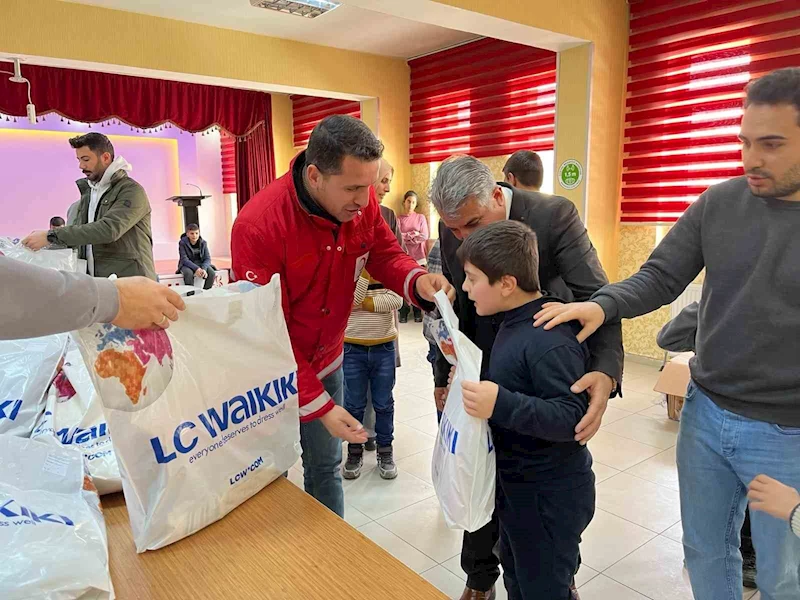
(74,415)
(51,528)
(203,415)
(26,369)
(463,466)
(63,260)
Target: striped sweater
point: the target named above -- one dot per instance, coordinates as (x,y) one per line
(372,320)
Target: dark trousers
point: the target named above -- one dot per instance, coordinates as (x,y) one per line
(188,277)
(407,309)
(540,533)
(371,367)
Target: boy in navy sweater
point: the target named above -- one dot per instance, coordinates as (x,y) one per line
(545,486)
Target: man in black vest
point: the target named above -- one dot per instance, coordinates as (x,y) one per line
(467,198)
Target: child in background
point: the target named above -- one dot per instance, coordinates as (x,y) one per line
(369,363)
(545,492)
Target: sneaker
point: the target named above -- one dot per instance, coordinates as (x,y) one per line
(404,319)
(749,570)
(355,459)
(386,466)
(418,319)
(371,445)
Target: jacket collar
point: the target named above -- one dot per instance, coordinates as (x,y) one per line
(517,209)
(83,184)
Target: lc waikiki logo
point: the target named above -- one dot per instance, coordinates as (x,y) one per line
(217,421)
(12,513)
(9,409)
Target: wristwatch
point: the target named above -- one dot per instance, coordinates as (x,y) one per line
(51,236)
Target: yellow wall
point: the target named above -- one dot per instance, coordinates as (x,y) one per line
(605,23)
(282,132)
(49,28)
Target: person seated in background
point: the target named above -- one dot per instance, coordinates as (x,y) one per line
(679,335)
(414,228)
(524,171)
(57,223)
(369,365)
(195,259)
(545,495)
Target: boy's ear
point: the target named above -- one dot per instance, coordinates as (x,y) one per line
(508,284)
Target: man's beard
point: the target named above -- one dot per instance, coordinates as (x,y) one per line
(787,186)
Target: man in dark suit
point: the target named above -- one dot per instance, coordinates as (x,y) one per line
(467,198)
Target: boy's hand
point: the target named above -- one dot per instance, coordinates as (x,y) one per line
(773,497)
(479,398)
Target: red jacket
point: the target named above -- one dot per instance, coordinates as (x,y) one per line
(319,269)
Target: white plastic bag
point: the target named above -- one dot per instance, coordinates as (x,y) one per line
(203,416)
(26,369)
(51,527)
(463,466)
(74,416)
(63,260)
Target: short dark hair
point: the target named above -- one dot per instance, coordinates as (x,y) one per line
(57,222)
(193,227)
(527,167)
(338,136)
(779,87)
(96,142)
(504,248)
(410,193)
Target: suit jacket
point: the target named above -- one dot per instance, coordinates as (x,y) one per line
(568,268)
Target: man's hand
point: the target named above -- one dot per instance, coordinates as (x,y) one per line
(200,273)
(772,497)
(589,314)
(479,398)
(342,424)
(599,385)
(145,304)
(430,283)
(36,240)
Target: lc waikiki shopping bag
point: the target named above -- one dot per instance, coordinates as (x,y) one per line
(202,415)
(74,416)
(52,530)
(463,466)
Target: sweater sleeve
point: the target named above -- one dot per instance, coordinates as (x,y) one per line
(382,301)
(679,334)
(554,411)
(672,266)
(361,291)
(251,251)
(36,301)
(206,256)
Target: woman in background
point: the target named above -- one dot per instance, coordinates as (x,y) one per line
(414,228)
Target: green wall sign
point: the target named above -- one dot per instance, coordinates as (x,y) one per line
(570,174)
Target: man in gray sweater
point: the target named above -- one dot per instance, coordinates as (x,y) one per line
(742,412)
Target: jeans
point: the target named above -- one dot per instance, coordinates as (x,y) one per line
(371,367)
(719,454)
(188,277)
(322,454)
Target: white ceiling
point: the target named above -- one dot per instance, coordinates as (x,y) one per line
(349,27)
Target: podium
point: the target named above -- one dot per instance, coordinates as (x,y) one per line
(189,205)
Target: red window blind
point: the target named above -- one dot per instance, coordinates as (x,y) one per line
(485,98)
(228,149)
(307,111)
(689,63)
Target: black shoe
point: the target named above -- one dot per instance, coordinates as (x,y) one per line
(355,459)
(386,466)
(749,569)
(404,319)
(371,445)
(418,319)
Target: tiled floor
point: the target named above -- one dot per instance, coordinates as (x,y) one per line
(632,549)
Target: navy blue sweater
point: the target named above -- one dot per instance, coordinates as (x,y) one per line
(533,424)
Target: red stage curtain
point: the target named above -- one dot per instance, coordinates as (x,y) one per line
(255,162)
(93,97)
(484,98)
(688,65)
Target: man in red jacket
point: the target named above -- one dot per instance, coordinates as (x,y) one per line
(319,226)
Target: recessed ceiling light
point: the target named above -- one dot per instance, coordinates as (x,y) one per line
(301,8)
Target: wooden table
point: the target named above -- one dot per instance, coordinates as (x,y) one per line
(280,544)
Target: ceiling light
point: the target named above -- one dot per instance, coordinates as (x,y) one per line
(301,8)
